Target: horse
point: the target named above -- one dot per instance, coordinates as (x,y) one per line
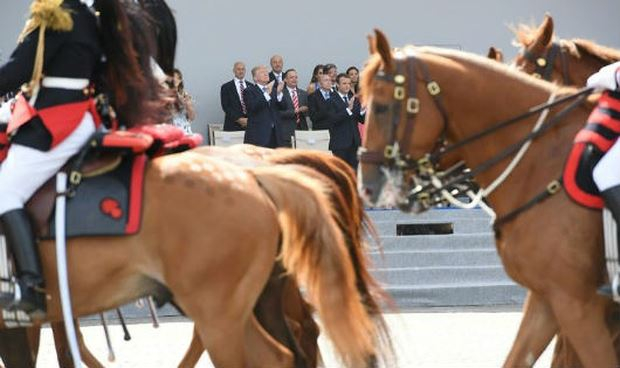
(568,62)
(352,220)
(216,276)
(417,116)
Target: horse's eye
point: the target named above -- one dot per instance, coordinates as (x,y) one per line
(379,108)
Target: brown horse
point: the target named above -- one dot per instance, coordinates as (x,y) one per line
(551,246)
(216,275)
(568,62)
(352,221)
(579,59)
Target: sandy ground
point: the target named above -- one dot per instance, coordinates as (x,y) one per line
(463,340)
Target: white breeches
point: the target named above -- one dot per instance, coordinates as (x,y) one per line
(26,169)
(606,173)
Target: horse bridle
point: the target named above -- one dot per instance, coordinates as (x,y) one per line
(395,155)
(544,62)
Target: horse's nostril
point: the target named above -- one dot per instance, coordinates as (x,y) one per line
(368,191)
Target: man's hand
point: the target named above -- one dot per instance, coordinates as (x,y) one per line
(351,103)
(302,109)
(243,122)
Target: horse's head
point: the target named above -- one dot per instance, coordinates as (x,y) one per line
(540,55)
(400,96)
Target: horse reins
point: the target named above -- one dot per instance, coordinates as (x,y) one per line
(544,63)
(395,158)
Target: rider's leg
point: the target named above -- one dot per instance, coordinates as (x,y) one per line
(22,173)
(607,178)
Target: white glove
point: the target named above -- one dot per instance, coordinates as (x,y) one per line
(5,111)
(606,78)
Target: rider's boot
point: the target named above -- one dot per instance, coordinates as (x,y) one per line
(21,241)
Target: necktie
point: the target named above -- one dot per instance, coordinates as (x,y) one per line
(346,100)
(296,105)
(241,89)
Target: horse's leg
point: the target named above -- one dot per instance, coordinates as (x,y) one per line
(583,323)
(270,312)
(17,348)
(536,330)
(299,319)
(193,353)
(62,347)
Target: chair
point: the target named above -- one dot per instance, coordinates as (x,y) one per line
(218,137)
(311,139)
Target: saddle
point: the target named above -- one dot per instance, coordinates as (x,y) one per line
(106,182)
(590,144)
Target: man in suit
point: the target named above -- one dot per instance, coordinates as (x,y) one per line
(263,101)
(319,106)
(346,114)
(277,65)
(232,100)
(295,107)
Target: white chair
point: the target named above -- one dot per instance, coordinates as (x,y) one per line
(225,139)
(311,140)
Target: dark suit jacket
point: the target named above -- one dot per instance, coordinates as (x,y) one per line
(272,76)
(320,111)
(262,117)
(288,120)
(343,129)
(231,104)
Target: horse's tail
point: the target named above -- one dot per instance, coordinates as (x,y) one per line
(313,249)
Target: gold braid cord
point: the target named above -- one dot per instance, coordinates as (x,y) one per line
(44,14)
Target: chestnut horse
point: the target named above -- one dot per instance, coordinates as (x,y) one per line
(216,276)
(551,245)
(568,62)
(352,221)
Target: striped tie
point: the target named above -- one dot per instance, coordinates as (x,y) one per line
(296,105)
(241,89)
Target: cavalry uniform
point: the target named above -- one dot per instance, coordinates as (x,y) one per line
(57,58)
(606,173)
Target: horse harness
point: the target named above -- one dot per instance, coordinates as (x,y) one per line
(544,63)
(427,191)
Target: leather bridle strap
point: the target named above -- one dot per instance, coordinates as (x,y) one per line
(436,156)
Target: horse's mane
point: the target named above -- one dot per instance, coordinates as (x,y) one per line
(524,33)
(607,55)
(374,64)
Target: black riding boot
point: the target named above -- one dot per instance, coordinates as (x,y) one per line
(22,243)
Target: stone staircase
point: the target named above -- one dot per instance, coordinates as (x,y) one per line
(457,269)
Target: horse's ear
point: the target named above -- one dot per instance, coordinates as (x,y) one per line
(382,46)
(544,35)
(495,54)
(372,45)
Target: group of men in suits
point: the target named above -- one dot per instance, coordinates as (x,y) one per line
(338,109)
(273,107)
(270,109)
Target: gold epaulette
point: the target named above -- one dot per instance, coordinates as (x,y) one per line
(47,13)
(44,14)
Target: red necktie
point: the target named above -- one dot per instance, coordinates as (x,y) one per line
(296,105)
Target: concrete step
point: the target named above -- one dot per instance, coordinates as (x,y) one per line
(460,225)
(481,240)
(436,258)
(473,294)
(434,214)
(430,276)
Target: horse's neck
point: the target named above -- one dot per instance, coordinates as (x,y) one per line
(581,68)
(544,159)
